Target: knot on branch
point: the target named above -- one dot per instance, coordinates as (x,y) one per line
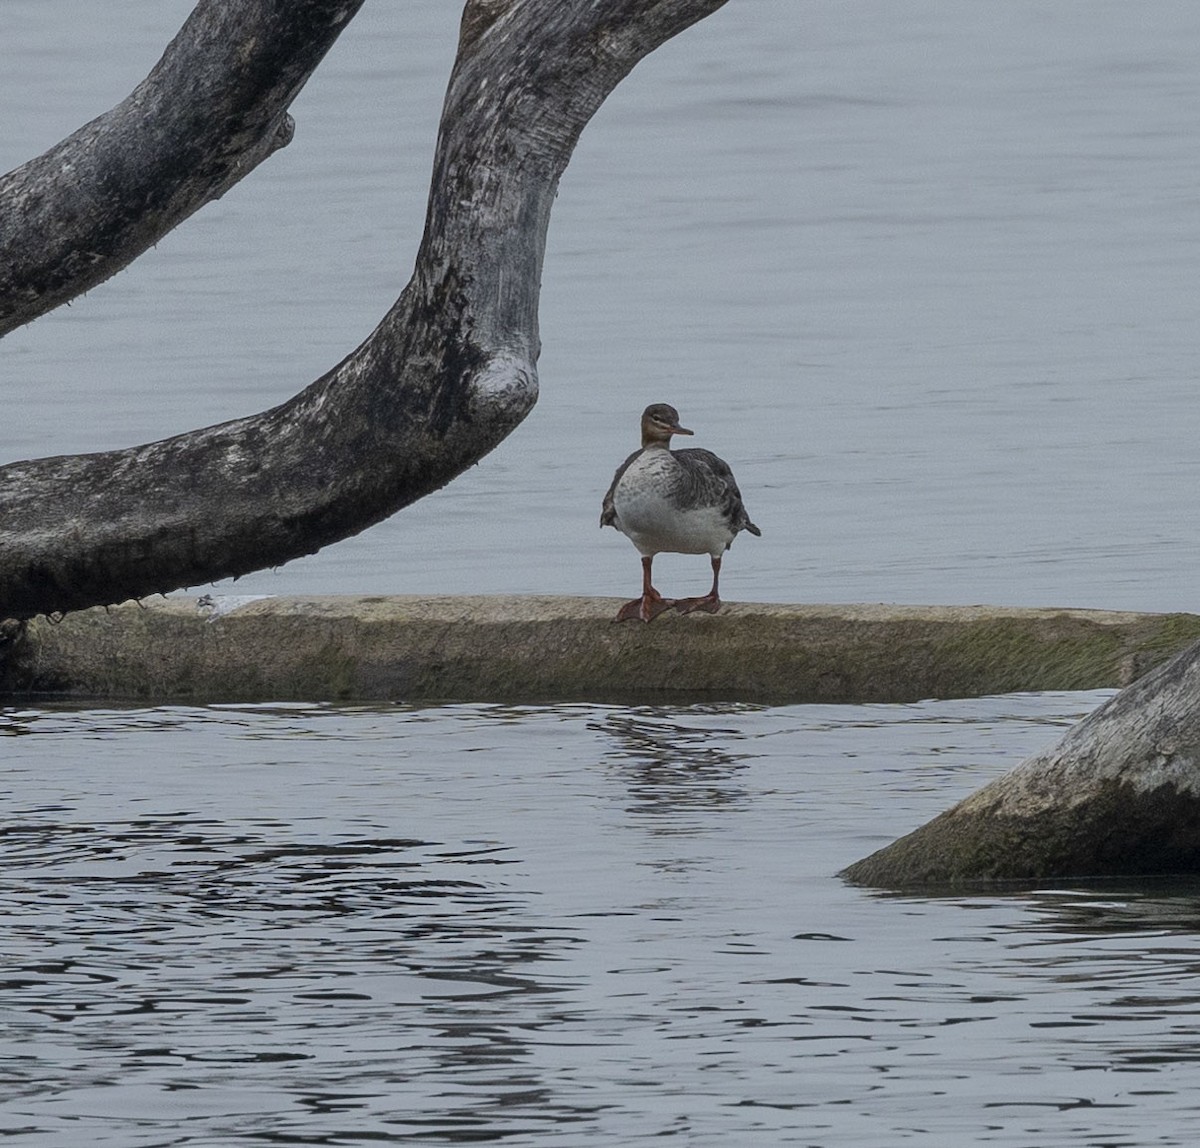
(506,387)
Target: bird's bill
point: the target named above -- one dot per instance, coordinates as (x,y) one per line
(681,430)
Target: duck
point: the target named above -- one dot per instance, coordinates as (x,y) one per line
(679,501)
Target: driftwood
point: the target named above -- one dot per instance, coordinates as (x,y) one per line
(212,109)
(1119,795)
(447,374)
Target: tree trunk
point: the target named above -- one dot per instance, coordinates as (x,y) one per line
(1119,795)
(448,373)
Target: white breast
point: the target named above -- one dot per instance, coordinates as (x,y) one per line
(653,522)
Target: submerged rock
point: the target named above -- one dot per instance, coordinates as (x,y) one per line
(1119,795)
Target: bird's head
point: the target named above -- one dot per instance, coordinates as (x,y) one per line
(659,422)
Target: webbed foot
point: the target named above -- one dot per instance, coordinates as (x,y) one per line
(644,609)
(710,604)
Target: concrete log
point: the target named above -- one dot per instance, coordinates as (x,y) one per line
(1119,795)
(559,648)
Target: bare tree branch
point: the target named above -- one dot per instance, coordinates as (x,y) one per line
(213,108)
(448,373)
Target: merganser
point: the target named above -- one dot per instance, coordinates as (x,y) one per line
(680,501)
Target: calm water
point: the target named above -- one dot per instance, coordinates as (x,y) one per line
(561,925)
(926,274)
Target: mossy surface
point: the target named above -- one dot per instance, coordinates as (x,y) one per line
(553,649)
(1118,830)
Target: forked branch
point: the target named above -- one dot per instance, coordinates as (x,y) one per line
(447,374)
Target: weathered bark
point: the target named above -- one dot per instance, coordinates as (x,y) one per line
(1119,795)
(213,108)
(448,373)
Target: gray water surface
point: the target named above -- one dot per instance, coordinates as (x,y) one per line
(925,273)
(315,925)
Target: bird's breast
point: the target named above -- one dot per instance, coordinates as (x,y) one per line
(652,514)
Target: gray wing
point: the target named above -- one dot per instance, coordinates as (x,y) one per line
(709,481)
(608,512)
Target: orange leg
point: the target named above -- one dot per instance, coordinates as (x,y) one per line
(650,604)
(710,603)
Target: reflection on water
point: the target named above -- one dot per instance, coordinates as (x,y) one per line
(321,925)
(669,766)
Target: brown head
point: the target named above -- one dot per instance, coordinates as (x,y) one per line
(659,422)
